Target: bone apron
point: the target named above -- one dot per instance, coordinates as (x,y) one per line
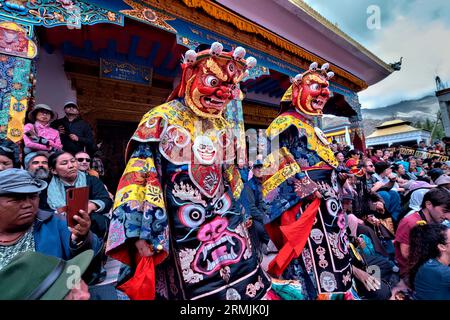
(309,230)
(180,191)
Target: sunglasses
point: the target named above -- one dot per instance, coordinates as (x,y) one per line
(84,159)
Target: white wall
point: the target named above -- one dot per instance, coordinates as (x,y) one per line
(53,87)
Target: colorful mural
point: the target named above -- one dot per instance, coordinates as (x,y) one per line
(50,13)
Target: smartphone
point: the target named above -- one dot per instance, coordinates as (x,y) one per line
(77,199)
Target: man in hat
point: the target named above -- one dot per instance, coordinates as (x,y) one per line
(259,209)
(255,183)
(23,227)
(182,168)
(76,134)
(38,135)
(35,276)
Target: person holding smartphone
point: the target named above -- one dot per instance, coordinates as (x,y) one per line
(384,182)
(23,227)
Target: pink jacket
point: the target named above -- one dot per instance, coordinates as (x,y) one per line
(46,132)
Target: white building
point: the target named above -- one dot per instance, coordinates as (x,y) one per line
(396,133)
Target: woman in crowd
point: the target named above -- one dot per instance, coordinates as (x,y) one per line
(429,259)
(64,168)
(38,135)
(341,159)
(414,171)
(8,155)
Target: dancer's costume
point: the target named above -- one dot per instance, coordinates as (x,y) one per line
(180,190)
(308,230)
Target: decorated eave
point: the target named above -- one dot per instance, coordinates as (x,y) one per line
(194,22)
(303,29)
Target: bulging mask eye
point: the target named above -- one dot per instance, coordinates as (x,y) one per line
(231,67)
(211,81)
(223,204)
(192,216)
(314,86)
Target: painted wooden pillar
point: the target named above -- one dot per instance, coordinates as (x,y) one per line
(17,52)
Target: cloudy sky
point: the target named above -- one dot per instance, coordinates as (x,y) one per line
(417,30)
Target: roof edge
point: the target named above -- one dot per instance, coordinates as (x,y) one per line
(330,26)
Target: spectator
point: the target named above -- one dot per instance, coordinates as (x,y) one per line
(97,162)
(422,146)
(76,134)
(414,198)
(435,208)
(23,227)
(84,163)
(438,147)
(435,173)
(352,163)
(414,171)
(34,276)
(443,182)
(401,184)
(429,259)
(368,287)
(387,156)
(403,180)
(9,155)
(243,170)
(341,160)
(437,165)
(377,156)
(419,162)
(36,163)
(434,160)
(64,168)
(397,156)
(384,184)
(446,167)
(38,135)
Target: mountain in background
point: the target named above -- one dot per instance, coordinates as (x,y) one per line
(410,110)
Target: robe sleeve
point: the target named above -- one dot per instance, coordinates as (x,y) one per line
(139,210)
(284,183)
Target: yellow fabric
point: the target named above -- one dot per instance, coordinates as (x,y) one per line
(175,113)
(16,120)
(233,176)
(314,144)
(287,97)
(140,191)
(272,163)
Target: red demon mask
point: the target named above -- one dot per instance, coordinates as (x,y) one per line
(210,79)
(309,91)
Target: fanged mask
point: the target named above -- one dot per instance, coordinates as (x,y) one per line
(310,90)
(211,77)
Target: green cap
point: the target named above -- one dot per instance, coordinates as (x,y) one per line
(34,276)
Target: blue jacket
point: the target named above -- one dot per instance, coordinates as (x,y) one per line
(52,237)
